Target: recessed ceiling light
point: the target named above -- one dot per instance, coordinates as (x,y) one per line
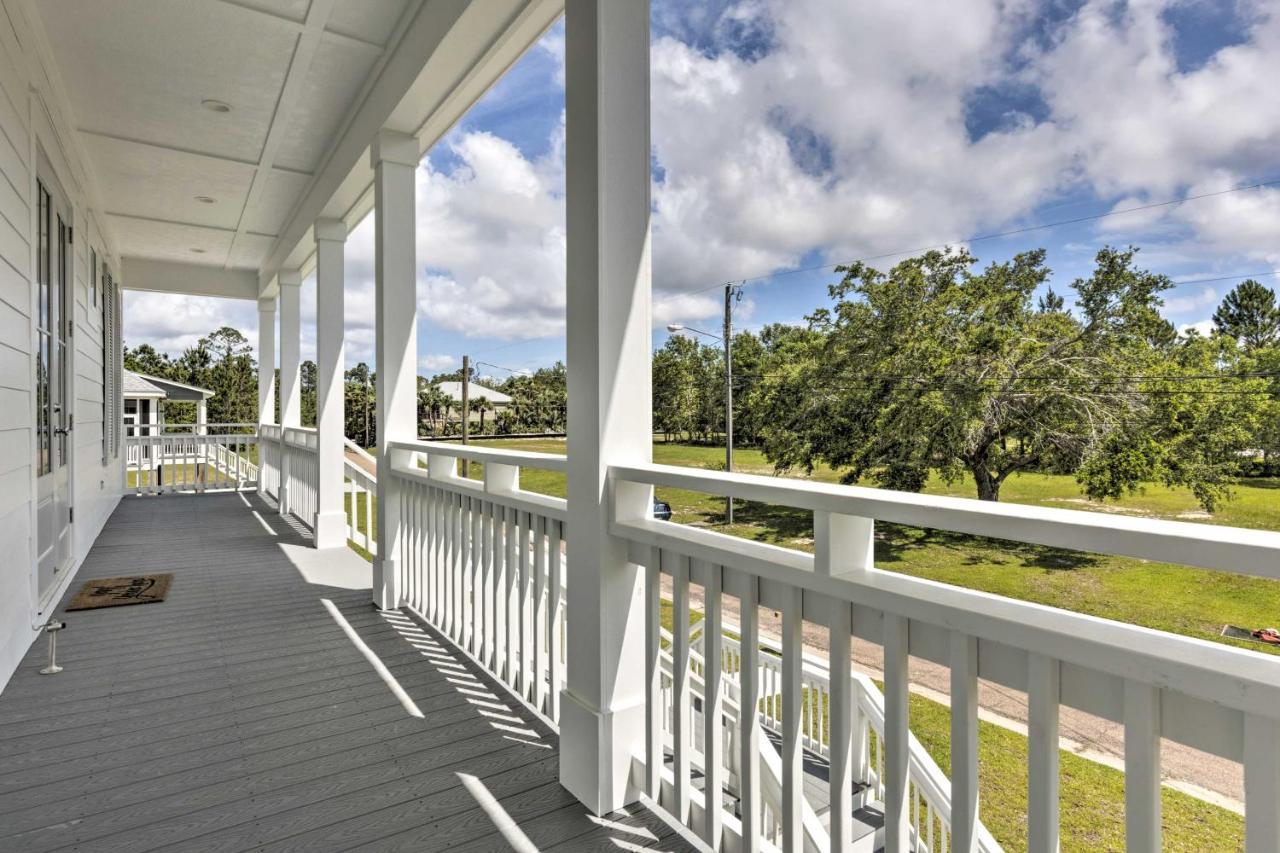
(197,251)
(204,199)
(214,105)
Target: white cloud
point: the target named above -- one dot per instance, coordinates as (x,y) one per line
(171,322)
(492,231)
(1191,302)
(436,362)
(1203,327)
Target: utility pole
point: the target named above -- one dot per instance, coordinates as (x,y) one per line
(466,409)
(732,293)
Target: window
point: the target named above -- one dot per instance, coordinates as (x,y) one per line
(44,437)
(111,362)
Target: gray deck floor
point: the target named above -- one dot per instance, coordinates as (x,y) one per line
(238,714)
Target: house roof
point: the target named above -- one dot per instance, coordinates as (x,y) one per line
(144,385)
(137,385)
(454,390)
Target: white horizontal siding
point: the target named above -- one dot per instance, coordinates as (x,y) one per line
(16,371)
(96,487)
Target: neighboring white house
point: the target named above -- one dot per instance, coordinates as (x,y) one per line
(453,390)
(145,397)
(144,408)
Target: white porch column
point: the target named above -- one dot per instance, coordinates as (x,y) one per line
(394,157)
(202,416)
(610,410)
(290,347)
(290,282)
(266,361)
(331,521)
(266,375)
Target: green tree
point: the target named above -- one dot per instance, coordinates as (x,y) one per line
(675,387)
(359,414)
(433,404)
(480,405)
(1250,315)
(232,376)
(308,375)
(145,359)
(935,367)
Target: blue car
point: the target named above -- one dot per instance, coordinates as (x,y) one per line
(661,510)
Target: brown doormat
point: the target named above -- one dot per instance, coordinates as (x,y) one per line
(113,592)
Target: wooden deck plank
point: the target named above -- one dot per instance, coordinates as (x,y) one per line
(237,715)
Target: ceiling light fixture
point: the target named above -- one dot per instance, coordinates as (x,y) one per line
(204,199)
(214,105)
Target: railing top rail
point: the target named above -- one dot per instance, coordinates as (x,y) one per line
(358,450)
(302,429)
(556,508)
(355,472)
(1236,678)
(168,425)
(520,458)
(1208,546)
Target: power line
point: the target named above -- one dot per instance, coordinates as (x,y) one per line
(977,238)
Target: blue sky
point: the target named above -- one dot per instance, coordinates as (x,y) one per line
(792,133)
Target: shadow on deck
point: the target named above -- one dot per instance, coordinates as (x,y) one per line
(242,713)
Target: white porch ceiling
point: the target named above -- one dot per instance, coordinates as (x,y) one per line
(309,83)
(136,72)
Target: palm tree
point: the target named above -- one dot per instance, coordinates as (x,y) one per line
(481,404)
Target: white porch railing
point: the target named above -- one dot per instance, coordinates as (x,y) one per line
(1222,700)
(189,458)
(361,487)
(300,473)
(269,459)
(483,562)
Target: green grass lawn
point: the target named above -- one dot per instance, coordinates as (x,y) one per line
(1182,600)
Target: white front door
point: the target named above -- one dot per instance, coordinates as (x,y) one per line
(55,315)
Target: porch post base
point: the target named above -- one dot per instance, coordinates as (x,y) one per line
(596,751)
(282,497)
(330,529)
(386,584)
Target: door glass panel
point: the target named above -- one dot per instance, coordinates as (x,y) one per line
(42,406)
(61,319)
(44,368)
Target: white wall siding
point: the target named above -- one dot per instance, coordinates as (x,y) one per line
(15,341)
(25,86)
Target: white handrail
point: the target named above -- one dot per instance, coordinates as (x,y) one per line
(1206,695)
(1208,546)
(520,458)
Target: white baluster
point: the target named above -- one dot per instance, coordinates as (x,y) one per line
(680,704)
(712,709)
(1141,767)
(840,625)
(964,741)
(654,708)
(1261,783)
(748,715)
(896,734)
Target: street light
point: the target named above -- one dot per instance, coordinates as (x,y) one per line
(732,293)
